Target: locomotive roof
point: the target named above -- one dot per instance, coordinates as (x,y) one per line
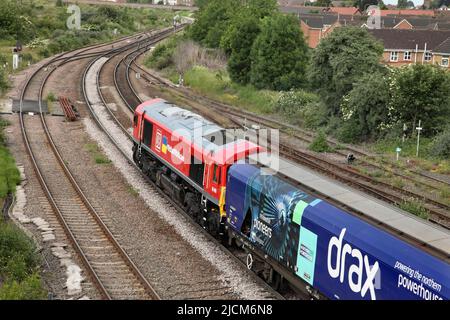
(202,132)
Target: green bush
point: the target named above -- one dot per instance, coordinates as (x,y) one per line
(51,97)
(9,175)
(18,259)
(29,289)
(290,103)
(315,115)
(415,207)
(161,56)
(320,144)
(4,83)
(440,146)
(302,107)
(349,131)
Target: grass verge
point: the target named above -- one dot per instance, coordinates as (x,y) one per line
(19,262)
(97,154)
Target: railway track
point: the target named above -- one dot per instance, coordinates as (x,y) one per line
(108,266)
(438,212)
(126,90)
(127,64)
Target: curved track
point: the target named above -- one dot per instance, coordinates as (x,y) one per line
(126,90)
(438,212)
(126,63)
(107,264)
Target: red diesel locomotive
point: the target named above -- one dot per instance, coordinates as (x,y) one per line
(188,157)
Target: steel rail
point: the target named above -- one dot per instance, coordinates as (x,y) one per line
(72,238)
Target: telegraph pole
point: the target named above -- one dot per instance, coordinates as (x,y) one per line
(419,128)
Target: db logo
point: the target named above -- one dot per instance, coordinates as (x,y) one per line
(158,140)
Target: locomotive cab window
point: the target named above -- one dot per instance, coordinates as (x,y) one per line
(196,171)
(148,132)
(135,120)
(216,174)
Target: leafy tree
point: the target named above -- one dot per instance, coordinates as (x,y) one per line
(422,92)
(339,61)
(212,22)
(401,4)
(323,3)
(261,8)
(441,145)
(364,4)
(201,3)
(367,106)
(240,39)
(382,5)
(279,54)
(13,23)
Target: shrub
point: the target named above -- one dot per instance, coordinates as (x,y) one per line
(291,102)
(29,289)
(9,175)
(161,56)
(415,207)
(17,253)
(51,97)
(349,131)
(320,144)
(440,146)
(4,83)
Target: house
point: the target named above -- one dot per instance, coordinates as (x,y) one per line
(349,11)
(413,22)
(407,12)
(402,47)
(316,27)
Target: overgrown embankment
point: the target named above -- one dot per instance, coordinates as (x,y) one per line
(19,261)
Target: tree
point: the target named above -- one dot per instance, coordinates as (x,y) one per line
(212,21)
(240,39)
(261,8)
(279,54)
(364,4)
(382,5)
(367,106)
(401,4)
(201,3)
(338,62)
(422,92)
(323,3)
(13,23)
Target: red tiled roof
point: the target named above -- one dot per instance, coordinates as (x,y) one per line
(345,10)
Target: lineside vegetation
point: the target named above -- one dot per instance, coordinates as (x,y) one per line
(19,261)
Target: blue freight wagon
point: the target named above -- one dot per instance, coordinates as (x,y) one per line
(334,252)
